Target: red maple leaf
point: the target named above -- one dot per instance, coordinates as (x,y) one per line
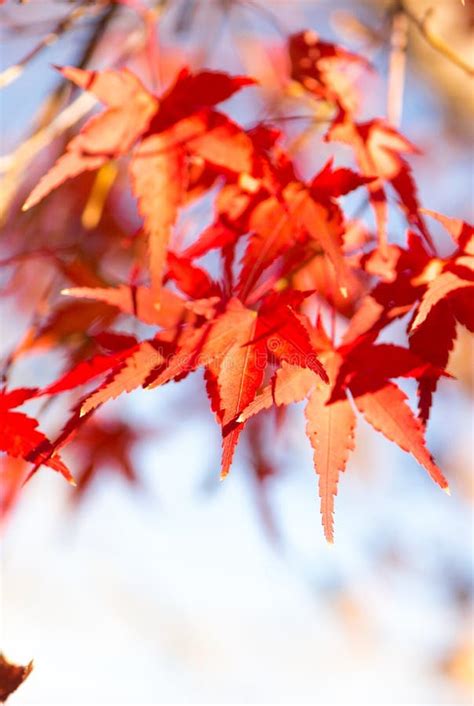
(234,253)
(329,412)
(20,437)
(182,123)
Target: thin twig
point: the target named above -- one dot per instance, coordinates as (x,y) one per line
(13,72)
(434,40)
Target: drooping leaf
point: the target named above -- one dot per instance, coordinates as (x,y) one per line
(330,428)
(20,437)
(157,172)
(240,375)
(386,409)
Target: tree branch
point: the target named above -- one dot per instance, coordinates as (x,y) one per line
(434,40)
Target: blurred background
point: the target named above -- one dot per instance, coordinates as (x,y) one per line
(156,583)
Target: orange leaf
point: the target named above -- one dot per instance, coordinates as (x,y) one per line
(157,175)
(104,136)
(387,411)
(330,429)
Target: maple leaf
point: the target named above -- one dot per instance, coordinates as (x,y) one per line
(387,411)
(287,337)
(329,414)
(330,183)
(461,232)
(321,67)
(234,348)
(201,346)
(330,428)
(68,325)
(138,301)
(453,279)
(239,376)
(447,298)
(12,676)
(381,401)
(278,224)
(103,444)
(191,280)
(233,384)
(330,424)
(274,230)
(190,93)
(378,149)
(247,326)
(433,341)
(87,370)
(158,361)
(290,384)
(158,163)
(158,176)
(20,437)
(437,290)
(440,289)
(132,370)
(106,136)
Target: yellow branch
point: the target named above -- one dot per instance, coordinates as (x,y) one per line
(434,40)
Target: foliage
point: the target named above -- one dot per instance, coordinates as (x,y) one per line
(281,297)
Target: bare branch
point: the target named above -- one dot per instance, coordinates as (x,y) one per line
(434,40)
